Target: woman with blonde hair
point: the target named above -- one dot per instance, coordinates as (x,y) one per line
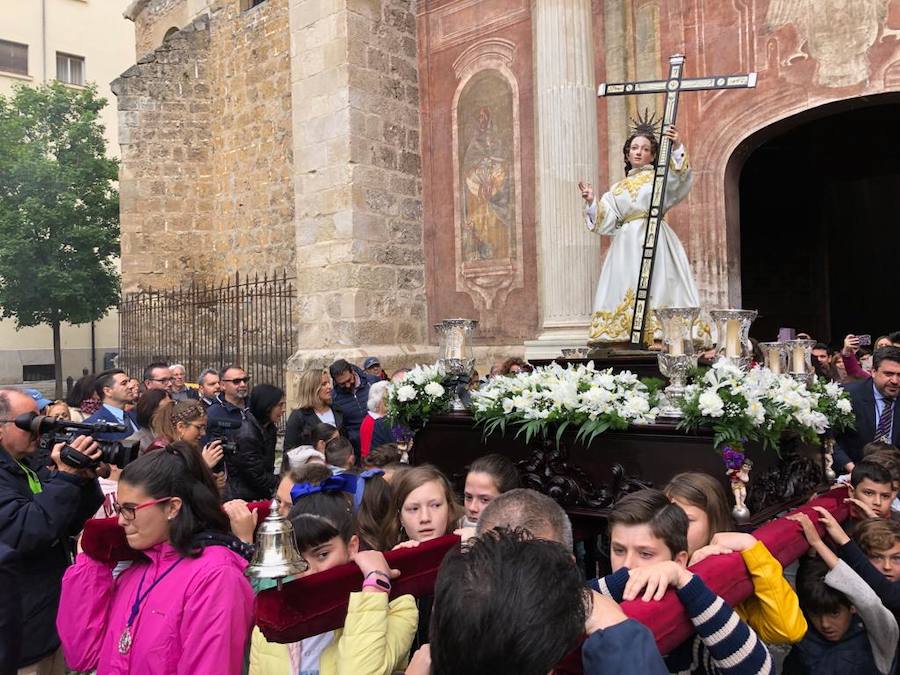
(313,406)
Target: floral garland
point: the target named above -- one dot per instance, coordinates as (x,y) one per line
(555,397)
(419,394)
(758,405)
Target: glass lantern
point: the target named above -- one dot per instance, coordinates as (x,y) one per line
(775,354)
(733,335)
(677,356)
(455,355)
(799,354)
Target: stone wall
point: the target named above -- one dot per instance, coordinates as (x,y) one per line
(205,130)
(164,132)
(250,128)
(358,181)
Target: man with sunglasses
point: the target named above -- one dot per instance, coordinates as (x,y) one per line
(40,512)
(232,400)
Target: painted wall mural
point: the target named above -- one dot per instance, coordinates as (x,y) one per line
(487,201)
(487,182)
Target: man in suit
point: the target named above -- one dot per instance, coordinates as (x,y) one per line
(112,388)
(875,407)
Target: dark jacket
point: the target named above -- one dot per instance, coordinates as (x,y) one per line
(38,528)
(104,415)
(300,424)
(222,410)
(354,406)
(627,647)
(251,466)
(10,611)
(851,442)
(814,655)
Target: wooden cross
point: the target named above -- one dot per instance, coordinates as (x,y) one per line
(671,87)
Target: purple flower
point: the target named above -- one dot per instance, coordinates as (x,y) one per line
(402,434)
(734,459)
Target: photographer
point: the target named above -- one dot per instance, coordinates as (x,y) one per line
(39,512)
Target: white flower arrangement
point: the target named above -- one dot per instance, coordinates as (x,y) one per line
(760,405)
(553,396)
(417,395)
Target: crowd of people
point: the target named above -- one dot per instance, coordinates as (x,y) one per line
(511,598)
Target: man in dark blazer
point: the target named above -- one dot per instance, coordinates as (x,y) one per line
(875,407)
(112,388)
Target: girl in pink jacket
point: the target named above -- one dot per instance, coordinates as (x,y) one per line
(185,605)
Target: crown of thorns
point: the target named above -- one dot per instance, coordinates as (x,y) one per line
(646,124)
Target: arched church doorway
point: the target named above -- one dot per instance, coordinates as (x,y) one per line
(820,222)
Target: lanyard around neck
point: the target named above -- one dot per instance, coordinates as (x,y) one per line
(34,483)
(136,607)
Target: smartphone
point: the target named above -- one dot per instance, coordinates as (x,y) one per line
(864,340)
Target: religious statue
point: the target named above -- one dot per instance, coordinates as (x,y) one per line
(739,479)
(622,212)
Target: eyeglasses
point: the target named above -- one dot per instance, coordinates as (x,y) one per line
(238,380)
(161,379)
(129,511)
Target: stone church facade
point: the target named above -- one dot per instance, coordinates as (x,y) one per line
(415,161)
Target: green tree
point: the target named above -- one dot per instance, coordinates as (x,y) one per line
(59,210)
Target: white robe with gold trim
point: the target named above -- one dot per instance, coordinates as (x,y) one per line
(622,213)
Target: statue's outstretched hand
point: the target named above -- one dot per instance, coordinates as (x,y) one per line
(587,191)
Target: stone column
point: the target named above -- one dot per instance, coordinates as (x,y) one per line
(357,171)
(566,142)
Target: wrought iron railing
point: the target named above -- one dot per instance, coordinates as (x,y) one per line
(247,321)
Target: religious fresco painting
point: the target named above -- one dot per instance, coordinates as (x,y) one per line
(821,28)
(487,180)
(487,200)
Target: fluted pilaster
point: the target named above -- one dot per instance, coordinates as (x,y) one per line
(566,143)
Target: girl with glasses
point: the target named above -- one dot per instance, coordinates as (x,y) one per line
(184,605)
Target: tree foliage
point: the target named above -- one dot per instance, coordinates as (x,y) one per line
(59,208)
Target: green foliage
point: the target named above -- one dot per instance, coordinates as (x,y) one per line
(59,207)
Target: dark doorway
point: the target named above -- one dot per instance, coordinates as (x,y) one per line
(819,226)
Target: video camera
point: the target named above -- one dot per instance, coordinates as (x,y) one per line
(54,430)
(222,430)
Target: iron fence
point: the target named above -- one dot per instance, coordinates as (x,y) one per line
(246,321)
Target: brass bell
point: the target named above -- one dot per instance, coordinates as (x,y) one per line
(276,554)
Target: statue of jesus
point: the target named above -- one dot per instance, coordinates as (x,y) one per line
(622,213)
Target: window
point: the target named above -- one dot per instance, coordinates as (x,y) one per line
(250,4)
(70,69)
(13,57)
(38,372)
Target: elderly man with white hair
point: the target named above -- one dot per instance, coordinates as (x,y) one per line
(375,428)
(180,391)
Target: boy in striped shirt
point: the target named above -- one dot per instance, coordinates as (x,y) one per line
(648,551)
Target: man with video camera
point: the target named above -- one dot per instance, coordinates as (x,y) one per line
(39,513)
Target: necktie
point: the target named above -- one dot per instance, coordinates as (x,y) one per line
(884,421)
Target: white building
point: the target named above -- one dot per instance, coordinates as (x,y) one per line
(77,42)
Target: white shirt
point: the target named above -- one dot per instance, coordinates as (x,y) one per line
(327,416)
